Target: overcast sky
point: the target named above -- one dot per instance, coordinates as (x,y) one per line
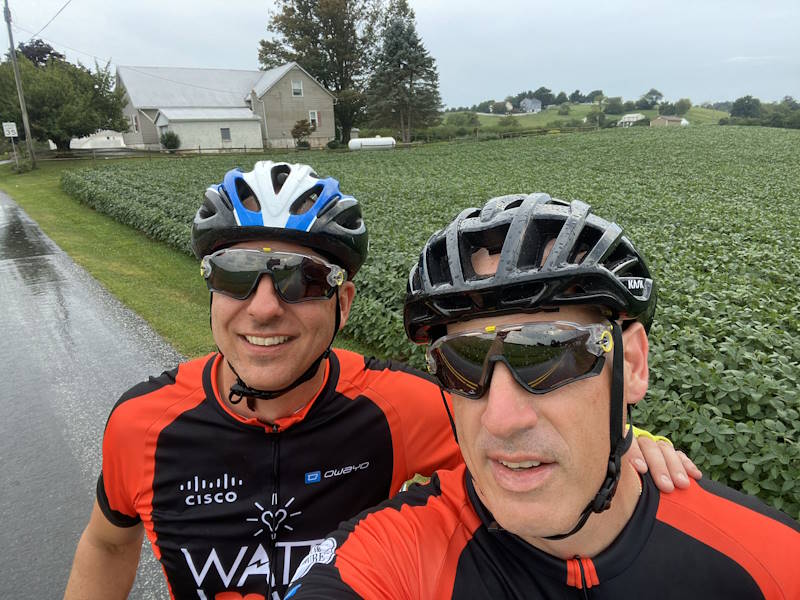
(700,49)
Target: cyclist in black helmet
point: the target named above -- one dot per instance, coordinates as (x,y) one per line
(236,463)
(536,316)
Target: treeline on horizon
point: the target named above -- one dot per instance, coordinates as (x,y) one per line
(746,110)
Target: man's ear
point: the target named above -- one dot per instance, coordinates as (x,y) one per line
(347,291)
(637,373)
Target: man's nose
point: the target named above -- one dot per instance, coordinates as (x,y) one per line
(509,407)
(264,303)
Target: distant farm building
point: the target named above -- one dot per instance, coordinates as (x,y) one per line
(224,108)
(668,121)
(530,105)
(629,119)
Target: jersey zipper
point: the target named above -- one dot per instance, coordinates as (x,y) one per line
(583,578)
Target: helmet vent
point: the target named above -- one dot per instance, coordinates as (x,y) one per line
(279,175)
(247,196)
(306,201)
(526,293)
(516,203)
(438,267)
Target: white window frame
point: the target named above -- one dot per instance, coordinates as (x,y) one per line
(135,123)
(297,86)
(222,135)
(315,119)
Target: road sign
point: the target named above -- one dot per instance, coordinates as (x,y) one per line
(10,130)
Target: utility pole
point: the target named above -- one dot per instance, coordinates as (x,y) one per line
(17,77)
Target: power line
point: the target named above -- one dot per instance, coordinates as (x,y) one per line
(97,58)
(192,85)
(51,20)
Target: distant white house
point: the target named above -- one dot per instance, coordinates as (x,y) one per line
(668,121)
(102,139)
(530,105)
(629,119)
(224,108)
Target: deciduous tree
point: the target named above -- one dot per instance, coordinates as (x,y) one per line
(39,52)
(682,106)
(576,97)
(746,106)
(545,96)
(63,100)
(614,106)
(334,40)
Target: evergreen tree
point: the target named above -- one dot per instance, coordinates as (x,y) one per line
(403,91)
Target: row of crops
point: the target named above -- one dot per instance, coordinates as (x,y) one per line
(715,210)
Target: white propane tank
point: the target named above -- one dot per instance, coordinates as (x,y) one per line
(373,143)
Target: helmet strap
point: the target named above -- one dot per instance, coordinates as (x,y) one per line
(241,390)
(449,414)
(620,442)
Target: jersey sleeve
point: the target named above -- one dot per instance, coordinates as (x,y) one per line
(422,437)
(119,479)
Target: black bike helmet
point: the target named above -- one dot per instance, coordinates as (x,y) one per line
(286,202)
(590,262)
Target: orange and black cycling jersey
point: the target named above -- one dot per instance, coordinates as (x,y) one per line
(439,541)
(231,505)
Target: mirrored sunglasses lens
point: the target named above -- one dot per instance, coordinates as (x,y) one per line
(232,279)
(459,364)
(304,281)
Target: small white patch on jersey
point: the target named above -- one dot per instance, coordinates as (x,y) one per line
(322,553)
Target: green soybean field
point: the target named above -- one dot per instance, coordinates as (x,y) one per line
(715,210)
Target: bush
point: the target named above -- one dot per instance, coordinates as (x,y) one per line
(334,145)
(303,145)
(23,165)
(170,140)
(300,132)
(563,110)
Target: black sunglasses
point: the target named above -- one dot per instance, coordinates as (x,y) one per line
(236,272)
(541,355)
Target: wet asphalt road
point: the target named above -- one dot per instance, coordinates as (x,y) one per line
(68,350)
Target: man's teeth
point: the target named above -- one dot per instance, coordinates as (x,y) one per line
(267,341)
(526,464)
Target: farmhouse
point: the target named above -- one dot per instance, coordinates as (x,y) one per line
(218,109)
(629,119)
(530,105)
(668,121)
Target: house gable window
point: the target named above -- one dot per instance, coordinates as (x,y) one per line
(313,118)
(135,123)
(297,87)
(225,133)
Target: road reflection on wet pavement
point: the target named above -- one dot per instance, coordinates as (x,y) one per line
(69,350)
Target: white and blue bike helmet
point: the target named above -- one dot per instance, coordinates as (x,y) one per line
(282,201)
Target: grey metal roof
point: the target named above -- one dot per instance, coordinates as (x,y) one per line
(161,87)
(207,114)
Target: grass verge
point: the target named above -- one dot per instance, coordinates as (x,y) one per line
(158,283)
